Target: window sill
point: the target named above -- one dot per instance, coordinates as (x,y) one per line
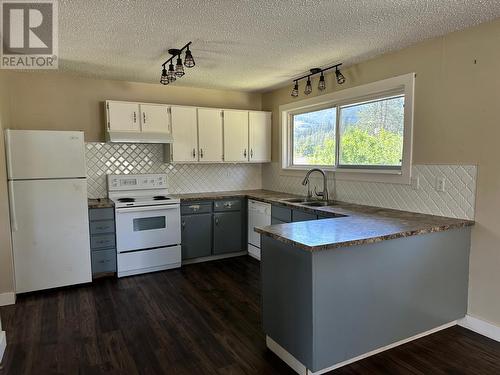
(366,175)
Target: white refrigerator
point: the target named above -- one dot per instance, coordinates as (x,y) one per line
(48,208)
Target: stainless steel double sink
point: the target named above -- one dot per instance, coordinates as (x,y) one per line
(310,202)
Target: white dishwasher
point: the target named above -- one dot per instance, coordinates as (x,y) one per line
(259,215)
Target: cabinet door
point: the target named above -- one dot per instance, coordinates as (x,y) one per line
(227,232)
(209,135)
(123,116)
(235,136)
(196,235)
(185,134)
(155,118)
(259,126)
(298,215)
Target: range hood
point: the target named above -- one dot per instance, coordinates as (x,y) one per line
(138,137)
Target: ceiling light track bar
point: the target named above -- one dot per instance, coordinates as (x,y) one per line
(339,77)
(315,71)
(176,71)
(175,52)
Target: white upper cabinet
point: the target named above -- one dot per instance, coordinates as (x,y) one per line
(235,136)
(123,117)
(192,134)
(210,135)
(155,118)
(259,126)
(185,133)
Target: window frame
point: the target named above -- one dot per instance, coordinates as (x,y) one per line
(400,85)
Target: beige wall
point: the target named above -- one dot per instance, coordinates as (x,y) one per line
(457,121)
(6,272)
(64,101)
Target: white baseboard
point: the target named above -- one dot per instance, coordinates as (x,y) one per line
(300,369)
(3,344)
(7,298)
(481,326)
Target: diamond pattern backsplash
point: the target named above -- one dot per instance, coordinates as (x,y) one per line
(458,199)
(131,158)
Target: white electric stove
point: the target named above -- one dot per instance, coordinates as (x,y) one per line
(148,223)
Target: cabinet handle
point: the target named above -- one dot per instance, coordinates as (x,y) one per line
(194,153)
(245,153)
(144,117)
(201,153)
(251,153)
(135,117)
(216,221)
(183,224)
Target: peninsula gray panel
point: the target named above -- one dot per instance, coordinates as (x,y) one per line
(369,296)
(286,297)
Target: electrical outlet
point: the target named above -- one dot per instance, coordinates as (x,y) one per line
(415,183)
(440,184)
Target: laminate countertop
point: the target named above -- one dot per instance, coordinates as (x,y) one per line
(100,203)
(350,225)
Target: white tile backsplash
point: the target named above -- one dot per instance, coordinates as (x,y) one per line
(125,158)
(458,199)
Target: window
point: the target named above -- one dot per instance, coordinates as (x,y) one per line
(361,131)
(371,133)
(314,137)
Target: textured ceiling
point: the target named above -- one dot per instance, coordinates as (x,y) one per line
(247,45)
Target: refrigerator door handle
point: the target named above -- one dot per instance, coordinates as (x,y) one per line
(12,203)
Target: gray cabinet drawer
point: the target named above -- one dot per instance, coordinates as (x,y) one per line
(103,261)
(101,214)
(281,213)
(298,215)
(101,241)
(196,208)
(227,205)
(103,226)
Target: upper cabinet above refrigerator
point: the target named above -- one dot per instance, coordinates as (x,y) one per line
(138,122)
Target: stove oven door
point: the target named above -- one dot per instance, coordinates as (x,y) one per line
(147,227)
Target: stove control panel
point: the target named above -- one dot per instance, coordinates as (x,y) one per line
(136,181)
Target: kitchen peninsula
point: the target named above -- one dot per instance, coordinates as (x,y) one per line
(337,289)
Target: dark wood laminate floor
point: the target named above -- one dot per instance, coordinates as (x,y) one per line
(202,319)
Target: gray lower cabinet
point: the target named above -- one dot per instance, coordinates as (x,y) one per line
(227,232)
(212,228)
(196,235)
(298,215)
(102,241)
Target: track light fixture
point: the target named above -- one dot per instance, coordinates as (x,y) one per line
(340,77)
(295,91)
(308,88)
(321,84)
(178,71)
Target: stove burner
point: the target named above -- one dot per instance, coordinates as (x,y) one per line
(160,198)
(126,200)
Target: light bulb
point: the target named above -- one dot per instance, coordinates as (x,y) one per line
(321,84)
(295,91)
(171,73)
(340,76)
(308,89)
(179,69)
(164,77)
(188,59)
